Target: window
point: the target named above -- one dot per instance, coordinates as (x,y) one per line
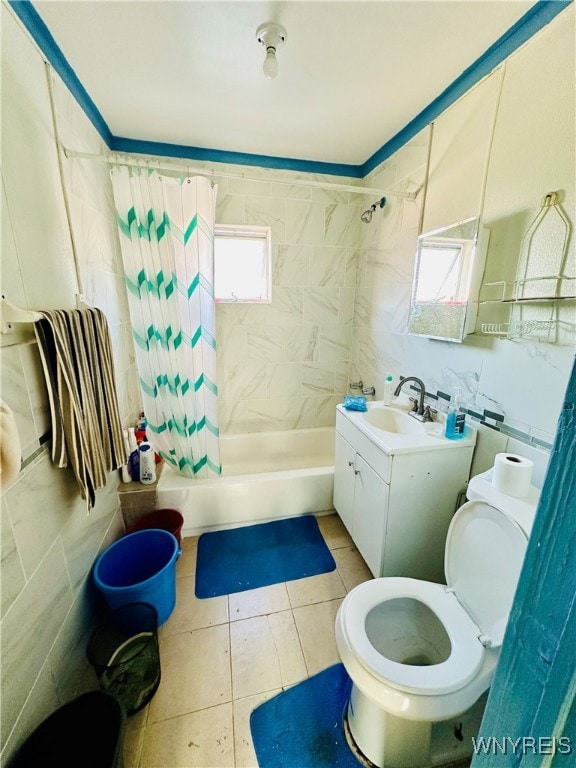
(242,259)
(440,268)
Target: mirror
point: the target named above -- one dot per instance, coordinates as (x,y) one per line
(447,275)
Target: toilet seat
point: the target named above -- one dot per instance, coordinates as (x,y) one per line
(467,651)
(483,558)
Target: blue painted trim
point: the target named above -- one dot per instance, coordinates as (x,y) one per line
(533,20)
(121,144)
(29,16)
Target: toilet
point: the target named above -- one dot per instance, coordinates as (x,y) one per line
(421,656)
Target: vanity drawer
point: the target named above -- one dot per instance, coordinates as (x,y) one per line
(380,462)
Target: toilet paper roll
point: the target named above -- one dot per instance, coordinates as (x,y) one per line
(512,474)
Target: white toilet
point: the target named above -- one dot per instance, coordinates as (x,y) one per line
(421,655)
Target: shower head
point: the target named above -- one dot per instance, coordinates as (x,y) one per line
(366,217)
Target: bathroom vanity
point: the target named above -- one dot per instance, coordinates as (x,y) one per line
(396,485)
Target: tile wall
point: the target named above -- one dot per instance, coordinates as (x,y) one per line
(285,365)
(340,299)
(48,541)
(514,386)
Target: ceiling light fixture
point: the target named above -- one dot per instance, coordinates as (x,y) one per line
(270,36)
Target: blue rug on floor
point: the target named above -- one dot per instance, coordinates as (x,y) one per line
(260,555)
(302,727)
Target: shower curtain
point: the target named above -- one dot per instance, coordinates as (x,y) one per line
(167,241)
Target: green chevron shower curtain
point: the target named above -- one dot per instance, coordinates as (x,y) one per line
(167,240)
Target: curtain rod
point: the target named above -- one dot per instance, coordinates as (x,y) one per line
(141,161)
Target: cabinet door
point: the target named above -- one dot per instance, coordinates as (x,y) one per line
(370,515)
(344,462)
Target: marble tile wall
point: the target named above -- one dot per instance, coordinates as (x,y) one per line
(385,265)
(522,380)
(93,221)
(48,542)
(285,365)
(340,300)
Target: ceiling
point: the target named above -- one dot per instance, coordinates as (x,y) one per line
(351,74)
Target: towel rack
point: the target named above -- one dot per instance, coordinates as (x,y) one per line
(11,314)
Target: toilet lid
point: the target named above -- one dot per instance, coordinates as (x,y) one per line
(483,559)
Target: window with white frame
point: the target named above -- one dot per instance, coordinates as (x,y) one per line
(242,264)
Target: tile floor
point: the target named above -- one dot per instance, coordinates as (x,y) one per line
(223,656)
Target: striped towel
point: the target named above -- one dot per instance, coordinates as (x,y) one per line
(76,354)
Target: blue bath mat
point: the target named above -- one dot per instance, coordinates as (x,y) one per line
(260,555)
(302,727)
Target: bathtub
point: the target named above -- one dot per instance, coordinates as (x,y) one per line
(265,476)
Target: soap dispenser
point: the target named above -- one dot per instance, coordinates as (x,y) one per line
(455,421)
(388,390)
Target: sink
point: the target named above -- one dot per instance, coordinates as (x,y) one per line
(393,430)
(393,420)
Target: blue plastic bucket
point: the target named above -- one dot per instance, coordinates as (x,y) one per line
(140,568)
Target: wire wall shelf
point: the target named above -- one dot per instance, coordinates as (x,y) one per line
(520,328)
(514,291)
(546,238)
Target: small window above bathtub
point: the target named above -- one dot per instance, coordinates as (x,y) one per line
(242,264)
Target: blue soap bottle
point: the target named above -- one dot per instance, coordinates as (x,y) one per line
(455,421)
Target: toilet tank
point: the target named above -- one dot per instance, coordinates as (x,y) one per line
(522,511)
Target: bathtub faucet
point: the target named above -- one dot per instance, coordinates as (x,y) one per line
(360,385)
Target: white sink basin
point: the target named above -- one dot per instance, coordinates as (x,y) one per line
(393,420)
(394,431)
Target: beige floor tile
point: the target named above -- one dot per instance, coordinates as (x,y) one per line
(288,648)
(255,663)
(186,563)
(334,532)
(133,741)
(243,745)
(191,613)
(195,672)
(203,739)
(138,720)
(315,624)
(258,602)
(315,589)
(351,567)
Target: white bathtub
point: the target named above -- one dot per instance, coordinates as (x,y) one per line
(265,476)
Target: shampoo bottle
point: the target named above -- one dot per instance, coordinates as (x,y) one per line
(388,390)
(455,421)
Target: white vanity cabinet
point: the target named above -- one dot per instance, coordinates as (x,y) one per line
(397,506)
(361,500)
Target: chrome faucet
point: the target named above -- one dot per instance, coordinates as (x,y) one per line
(418,410)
